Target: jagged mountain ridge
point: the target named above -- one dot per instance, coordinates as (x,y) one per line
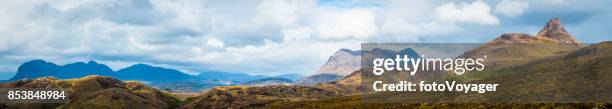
(555,30)
(40,68)
(142,72)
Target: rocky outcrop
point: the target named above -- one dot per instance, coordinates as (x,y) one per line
(517,48)
(342,63)
(345,61)
(555,30)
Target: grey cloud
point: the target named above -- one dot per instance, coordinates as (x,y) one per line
(175,33)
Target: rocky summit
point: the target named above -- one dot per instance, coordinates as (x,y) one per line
(516,48)
(555,30)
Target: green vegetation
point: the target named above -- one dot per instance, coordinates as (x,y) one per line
(98,92)
(257,96)
(586,68)
(356,102)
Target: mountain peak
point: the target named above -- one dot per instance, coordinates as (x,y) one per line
(141,65)
(40,68)
(554,22)
(555,30)
(341,63)
(37,61)
(92,62)
(344,50)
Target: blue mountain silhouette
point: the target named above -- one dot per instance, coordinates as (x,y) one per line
(238,77)
(142,72)
(40,68)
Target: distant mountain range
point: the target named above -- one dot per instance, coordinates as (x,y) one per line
(141,72)
(234,77)
(268,81)
(241,77)
(318,78)
(290,76)
(40,68)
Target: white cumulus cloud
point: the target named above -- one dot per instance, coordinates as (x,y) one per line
(511,8)
(354,23)
(258,36)
(477,12)
(213,42)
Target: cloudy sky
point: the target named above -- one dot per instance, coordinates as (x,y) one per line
(264,36)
